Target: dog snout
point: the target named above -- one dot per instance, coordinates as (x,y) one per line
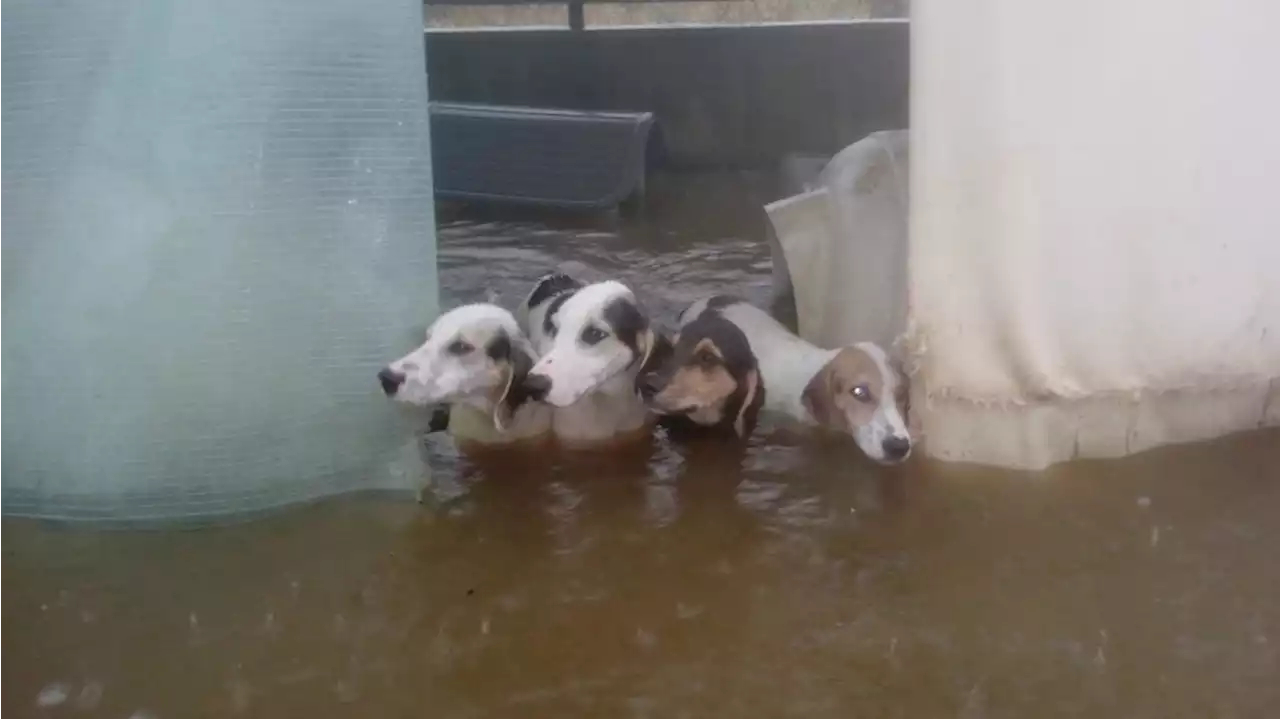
(390,380)
(896,447)
(537,385)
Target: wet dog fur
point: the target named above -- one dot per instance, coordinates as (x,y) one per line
(593,341)
(857,390)
(470,370)
(711,381)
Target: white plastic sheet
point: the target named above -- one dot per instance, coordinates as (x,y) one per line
(842,246)
(1095,249)
(217,224)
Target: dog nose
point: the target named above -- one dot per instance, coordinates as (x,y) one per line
(537,385)
(896,447)
(649,386)
(390,380)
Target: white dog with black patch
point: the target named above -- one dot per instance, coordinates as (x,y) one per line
(856,389)
(593,340)
(472,367)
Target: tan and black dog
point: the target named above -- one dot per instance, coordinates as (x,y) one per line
(711,380)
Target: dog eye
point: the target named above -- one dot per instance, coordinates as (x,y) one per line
(459,348)
(706,360)
(593,335)
(861,393)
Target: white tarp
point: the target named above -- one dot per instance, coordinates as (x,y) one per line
(1094,257)
(1095,245)
(844,242)
(217,224)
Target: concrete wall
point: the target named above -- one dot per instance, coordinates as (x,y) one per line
(726,96)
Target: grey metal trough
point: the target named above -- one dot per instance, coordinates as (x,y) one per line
(569,159)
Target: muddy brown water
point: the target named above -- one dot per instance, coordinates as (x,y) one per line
(790,579)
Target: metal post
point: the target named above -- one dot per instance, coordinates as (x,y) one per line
(576,19)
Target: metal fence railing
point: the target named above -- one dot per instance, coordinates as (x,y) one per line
(575,8)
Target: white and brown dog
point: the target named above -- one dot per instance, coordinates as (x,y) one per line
(472,368)
(593,341)
(856,389)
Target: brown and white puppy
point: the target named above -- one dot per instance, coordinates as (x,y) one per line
(857,390)
(711,379)
(471,369)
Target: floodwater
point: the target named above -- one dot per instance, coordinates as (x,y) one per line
(791,579)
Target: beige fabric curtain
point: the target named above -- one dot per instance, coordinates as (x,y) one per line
(1095,247)
(1094,257)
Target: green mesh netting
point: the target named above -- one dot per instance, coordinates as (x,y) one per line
(217,225)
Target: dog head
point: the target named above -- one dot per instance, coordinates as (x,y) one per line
(711,378)
(474,355)
(862,392)
(600,338)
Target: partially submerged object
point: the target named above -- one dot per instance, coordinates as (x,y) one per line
(568,159)
(840,248)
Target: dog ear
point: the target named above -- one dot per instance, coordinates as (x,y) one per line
(753,387)
(439,421)
(633,329)
(512,395)
(819,398)
(516,362)
(657,350)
